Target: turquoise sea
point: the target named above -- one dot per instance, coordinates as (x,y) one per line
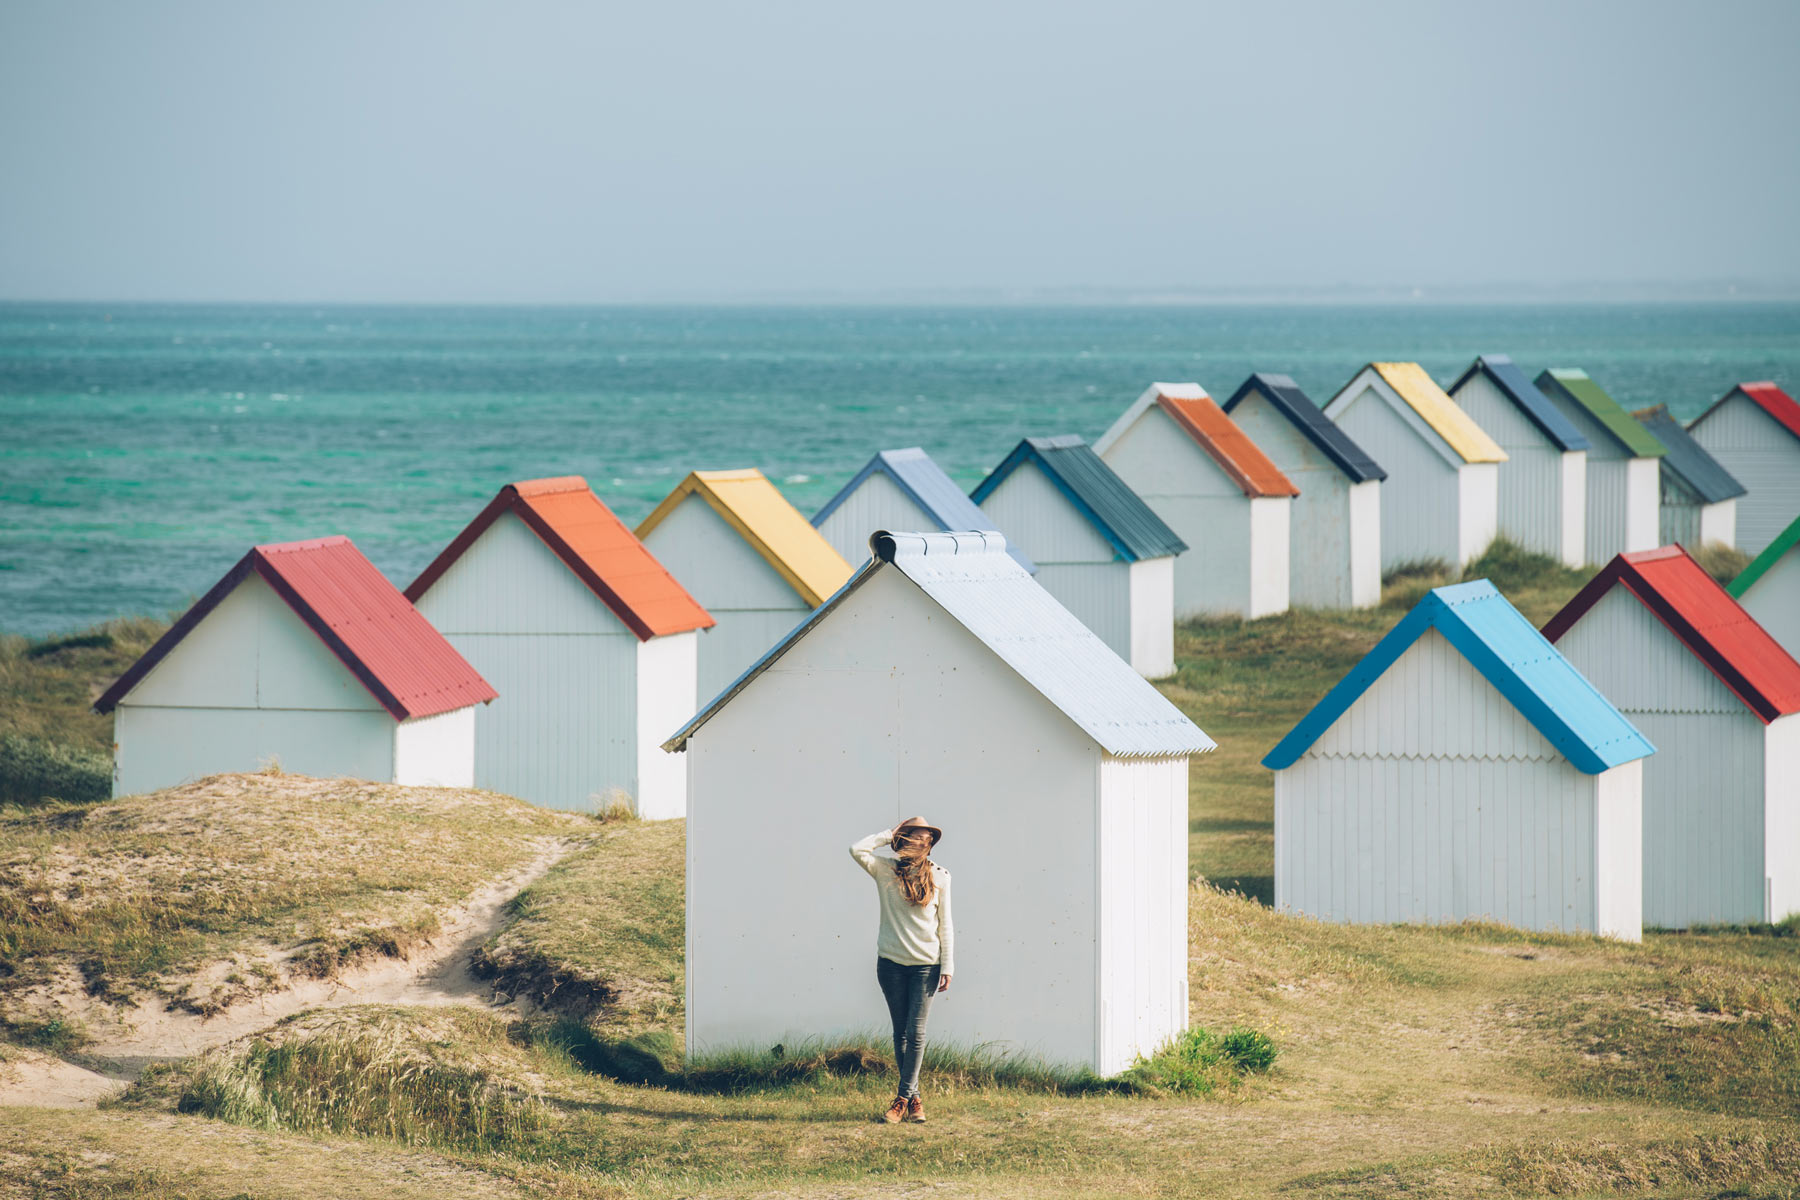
(145,447)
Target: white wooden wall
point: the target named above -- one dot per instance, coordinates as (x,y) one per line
(1152,585)
(1142,838)
(1781,767)
(1765,458)
(666,698)
(877,504)
(1534,507)
(1432,799)
(1686,522)
(1774,600)
(1703,788)
(1718,522)
(1271,524)
(436,751)
(1420,516)
(884,710)
(1478,514)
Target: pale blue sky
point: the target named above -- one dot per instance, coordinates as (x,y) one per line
(568,152)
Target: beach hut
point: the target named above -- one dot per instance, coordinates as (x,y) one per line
(1754,432)
(1721,700)
(748,557)
(590,641)
(1769,588)
(1543,482)
(900,489)
(1441,498)
(1334,537)
(1699,496)
(1623,477)
(1463,770)
(943,679)
(1099,549)
(1208,481)
(302,656)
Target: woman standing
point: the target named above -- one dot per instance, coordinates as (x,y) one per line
(916,948)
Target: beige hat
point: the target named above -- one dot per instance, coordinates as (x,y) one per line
(912,823)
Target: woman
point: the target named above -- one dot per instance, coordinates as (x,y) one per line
(915,951)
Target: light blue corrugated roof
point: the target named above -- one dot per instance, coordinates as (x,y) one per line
(1513,656)
(971,577)
(918,475)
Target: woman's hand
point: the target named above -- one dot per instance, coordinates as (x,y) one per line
(943,983)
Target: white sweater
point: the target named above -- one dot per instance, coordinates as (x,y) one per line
(913,935)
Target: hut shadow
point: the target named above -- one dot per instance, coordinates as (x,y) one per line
(1260,888)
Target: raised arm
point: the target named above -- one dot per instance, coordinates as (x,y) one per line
(864,851)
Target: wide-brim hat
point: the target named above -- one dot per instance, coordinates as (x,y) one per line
(912,823)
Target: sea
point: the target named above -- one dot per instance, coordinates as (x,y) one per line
(144,448)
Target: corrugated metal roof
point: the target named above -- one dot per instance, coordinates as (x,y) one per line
(1505,375)
(1287,399)
(404,662)
(1687,459)
(579,529)
(918,475)
(1619,424)
(1217,435)
(750,504)
(1117,512)
(1766,396)
(1446,418)
(1525,668)
(1693,607)
(970,576)
(1784,541)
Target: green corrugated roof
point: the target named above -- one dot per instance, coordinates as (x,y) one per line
(1604,409)
(1784,541)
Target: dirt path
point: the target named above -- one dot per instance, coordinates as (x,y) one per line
(126,1043)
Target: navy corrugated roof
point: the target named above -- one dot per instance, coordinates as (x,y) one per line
(1117,512)
(1537,407)
(1687,459)
(1309,419)
(970,577)
(918,475)
(1513,656)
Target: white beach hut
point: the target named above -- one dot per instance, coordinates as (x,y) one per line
(749,557)
(1721,700)
(1099,548)
(1334,540)
(1441,498)
(943,679)
(1211,484)
(1543,482)
(1754,432)
(1769,588)
(900,489)
(591,642)
(1624,475)
(1462,770)
(302,655)
(1699,496)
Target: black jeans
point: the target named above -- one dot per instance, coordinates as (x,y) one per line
(908,991)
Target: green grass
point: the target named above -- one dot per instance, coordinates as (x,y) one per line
(48,685)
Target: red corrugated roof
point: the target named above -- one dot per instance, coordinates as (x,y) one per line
(1776,403)
(602,552)
(404,662)
(1228,445)
(1704,616)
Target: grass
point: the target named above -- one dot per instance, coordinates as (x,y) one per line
(48,685)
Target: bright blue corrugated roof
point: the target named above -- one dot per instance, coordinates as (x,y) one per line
(1513,656)
(1118,513)
(915,473)
(1536,406)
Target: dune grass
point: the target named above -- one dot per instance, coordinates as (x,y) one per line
(48,685)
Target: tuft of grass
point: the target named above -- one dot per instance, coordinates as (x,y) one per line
(48,686)
(1724,563)
(1200,1062)
(1518,572)
(33,771)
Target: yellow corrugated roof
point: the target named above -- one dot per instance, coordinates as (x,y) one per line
(763,517)
(1443,414)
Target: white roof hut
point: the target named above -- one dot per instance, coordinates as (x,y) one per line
(302,655)
(1754,432)
(749,557)
(1334,541)
(1441,498)
(900,489)
(590,640)
(1099,548)
(1721,700)
(942,679)
(1624,479)
(1769,588)
(1699,496)
(1463,770)
(1543,482)
(1210,483)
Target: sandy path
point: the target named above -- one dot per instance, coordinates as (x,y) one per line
(437,973)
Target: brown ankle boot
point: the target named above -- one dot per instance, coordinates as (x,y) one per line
(896,1112)
(915,1110)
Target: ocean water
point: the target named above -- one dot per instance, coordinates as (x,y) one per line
(144,448)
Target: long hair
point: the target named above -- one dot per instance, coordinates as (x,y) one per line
(912,867)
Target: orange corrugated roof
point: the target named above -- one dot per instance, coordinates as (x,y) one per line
(1227,443)
(574,523)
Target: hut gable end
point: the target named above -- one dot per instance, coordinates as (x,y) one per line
(1161,460)
(1639,665)
(1030,505)
(725,573)
(509,582)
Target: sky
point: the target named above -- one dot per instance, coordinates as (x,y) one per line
(537,152)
